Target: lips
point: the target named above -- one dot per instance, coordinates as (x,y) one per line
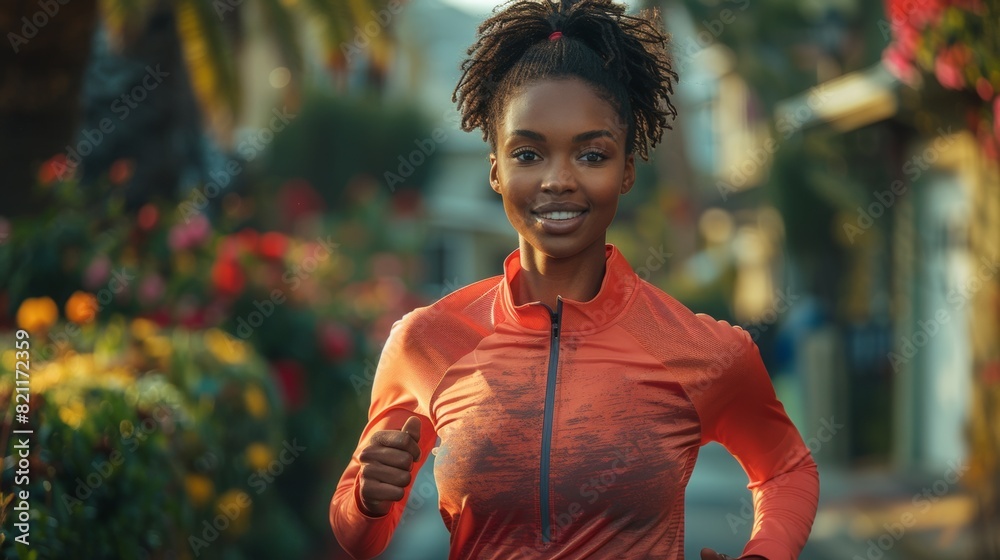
(560,218)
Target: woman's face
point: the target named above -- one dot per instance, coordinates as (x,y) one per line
(560,166)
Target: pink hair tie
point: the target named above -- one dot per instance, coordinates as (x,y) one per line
(555,35)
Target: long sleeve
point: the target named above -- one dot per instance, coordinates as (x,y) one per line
(740,410)
(396,388)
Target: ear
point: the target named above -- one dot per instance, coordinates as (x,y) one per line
(494,174)
(629,177)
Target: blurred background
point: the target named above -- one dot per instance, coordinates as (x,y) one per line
(212,211)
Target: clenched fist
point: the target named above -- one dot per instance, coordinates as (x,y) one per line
(385,467)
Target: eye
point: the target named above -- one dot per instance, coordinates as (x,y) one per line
(516,154)
(594,156)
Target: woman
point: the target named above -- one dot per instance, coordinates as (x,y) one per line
(570,397)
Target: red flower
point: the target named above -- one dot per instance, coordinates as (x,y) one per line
(229,247)
(228,277)
(334,340)
(984,89)
(272,245)
(192,318)
(291,380)
(948,67)
(121,171)
(54,168)
(148,215)
(161,317)
(248,239)
(297,199)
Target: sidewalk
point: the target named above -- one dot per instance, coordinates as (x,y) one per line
(885,515)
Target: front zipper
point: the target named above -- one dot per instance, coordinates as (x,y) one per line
(550,397)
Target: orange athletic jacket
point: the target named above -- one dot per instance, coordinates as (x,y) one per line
(571,433)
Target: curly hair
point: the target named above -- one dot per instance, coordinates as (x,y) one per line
(623,57)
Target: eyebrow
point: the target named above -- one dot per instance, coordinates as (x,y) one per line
(582,137)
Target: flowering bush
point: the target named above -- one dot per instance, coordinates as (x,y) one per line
(135,449)
(955,42)
(254,331)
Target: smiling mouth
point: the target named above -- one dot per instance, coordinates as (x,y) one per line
(561,215)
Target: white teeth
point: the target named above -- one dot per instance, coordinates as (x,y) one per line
(560,215)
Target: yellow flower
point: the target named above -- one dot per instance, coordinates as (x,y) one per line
(46,376)
(256,401)
(199,488)
(157,346)
(224,347)
(37,314)
(142,329)
(259,456)
(237,506)
(81,307)
(80,364)
(73,413)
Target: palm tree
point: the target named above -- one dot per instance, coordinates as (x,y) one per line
(42,75)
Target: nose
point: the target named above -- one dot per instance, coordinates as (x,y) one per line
(559,177)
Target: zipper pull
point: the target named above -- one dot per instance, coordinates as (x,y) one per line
(556,317)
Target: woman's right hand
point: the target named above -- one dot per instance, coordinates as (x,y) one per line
(385,467)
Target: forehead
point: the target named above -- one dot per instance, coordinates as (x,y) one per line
(559,107)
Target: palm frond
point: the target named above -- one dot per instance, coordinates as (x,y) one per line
(282,26)
(125,19)
(210,61)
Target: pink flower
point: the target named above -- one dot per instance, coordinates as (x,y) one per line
(150,289)
(178,237)
(97,273)
(984,89)
(190,234)
(198,229)
(899,65)
(948,73)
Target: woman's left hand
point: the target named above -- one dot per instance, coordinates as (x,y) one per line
(709,554)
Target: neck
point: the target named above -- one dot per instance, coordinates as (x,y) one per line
(542,278)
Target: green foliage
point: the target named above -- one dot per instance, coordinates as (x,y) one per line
(127,462)
(238,340)
(336,139)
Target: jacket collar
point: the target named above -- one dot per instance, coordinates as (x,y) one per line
(616,291)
